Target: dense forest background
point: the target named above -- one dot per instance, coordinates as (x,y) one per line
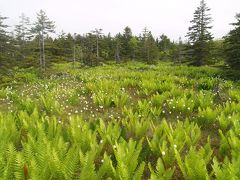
(36,44)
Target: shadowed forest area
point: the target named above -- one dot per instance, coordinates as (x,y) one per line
(36,44)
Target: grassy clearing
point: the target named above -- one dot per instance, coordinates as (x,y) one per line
(127,121)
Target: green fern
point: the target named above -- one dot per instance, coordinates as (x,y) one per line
(87,165)
(110,132)
(195,163)
(106,169)
(127,154)
(10,156)
(161,173)
(207,116)
(227,170)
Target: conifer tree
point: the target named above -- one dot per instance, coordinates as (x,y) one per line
(4,40)
(42,27)
(97,33)
(165,46)
(117,43)
(22,34)
(177,51)
(149,46)
(199,36)
(232,45)
(134,43)
(125,40)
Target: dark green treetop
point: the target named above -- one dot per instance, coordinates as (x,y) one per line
(232,45)
(199,35)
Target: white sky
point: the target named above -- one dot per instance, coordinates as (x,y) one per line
(171,17)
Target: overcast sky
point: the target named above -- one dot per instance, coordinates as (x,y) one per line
(171,17)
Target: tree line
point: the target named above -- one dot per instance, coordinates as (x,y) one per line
(32,44)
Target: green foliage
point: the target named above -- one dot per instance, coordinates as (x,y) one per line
(50,105)
(149,50)
(110,122)
(204,99)
(27,77)
(120,99)
(224,121)
(166,139)
(199,35)
(181,104)
(232,49)
(101,99)
(206,84)
(229,170)
(194,164)
(151,87)
(234,94)
(135,126)
(27,105)
(78,128)
(207,116)
(127,155)
(3,93)
(110,132)
(42,27)
(158,99)
(161,173)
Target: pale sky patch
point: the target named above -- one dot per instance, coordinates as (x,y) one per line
(171,17)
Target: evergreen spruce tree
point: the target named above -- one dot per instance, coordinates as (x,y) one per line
(149,47)
(3,32)
(42,27)
(232,45)
(117,43)
(164,45)
(199,36)
(134,43)
(177,51)
(97,33)
(4,42)
(126,46)
(22,31)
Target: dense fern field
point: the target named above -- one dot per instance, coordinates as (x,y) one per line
(126,121)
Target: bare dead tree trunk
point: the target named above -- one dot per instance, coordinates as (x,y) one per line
(40,52)
(81,57)
(97,51)
(74,50)
(133,55)
(97,33)
(43,53)
(74,55)
(117,57)
(148,53)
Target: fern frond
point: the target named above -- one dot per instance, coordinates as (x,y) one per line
(19,167)
(161,173)
(139,171)
(10,162)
